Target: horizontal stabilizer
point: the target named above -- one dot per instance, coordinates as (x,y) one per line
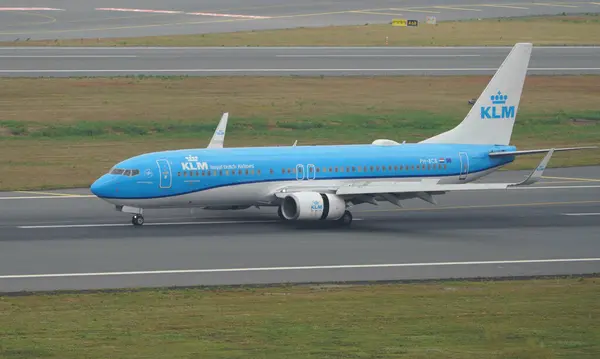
(532,152)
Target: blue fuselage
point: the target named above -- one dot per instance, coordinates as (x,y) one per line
(252,171)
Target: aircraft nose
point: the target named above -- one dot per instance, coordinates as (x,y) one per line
(102,186)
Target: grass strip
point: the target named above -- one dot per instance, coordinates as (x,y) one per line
(581,29)
(550,318)
(65,132)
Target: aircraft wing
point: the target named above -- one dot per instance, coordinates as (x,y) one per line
(219,136)
(393,191)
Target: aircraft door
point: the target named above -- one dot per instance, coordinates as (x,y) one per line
(164,169)
(299,172)
(464,166)
(312,173)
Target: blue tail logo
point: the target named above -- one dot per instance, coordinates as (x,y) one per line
(498,110)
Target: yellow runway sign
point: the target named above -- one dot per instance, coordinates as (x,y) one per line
(399,22)
(405,22)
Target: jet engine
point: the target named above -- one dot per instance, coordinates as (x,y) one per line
(313,206)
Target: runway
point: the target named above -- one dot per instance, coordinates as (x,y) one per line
(70,240)
(65,62)
(67,19)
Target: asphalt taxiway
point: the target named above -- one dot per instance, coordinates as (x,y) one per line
(69,19)
(71,240)
(64,62)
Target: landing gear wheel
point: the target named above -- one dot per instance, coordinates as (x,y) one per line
(137,220)
(346,219)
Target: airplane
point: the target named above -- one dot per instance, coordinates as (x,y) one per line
(322,183)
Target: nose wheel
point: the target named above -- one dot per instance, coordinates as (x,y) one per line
(137,220)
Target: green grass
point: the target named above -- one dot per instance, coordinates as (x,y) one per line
(542,30)
(84,126)
(548,319)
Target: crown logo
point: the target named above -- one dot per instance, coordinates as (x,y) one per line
(499,98)
(191,158)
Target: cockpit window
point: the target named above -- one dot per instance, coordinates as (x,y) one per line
(117,171)
(124,172)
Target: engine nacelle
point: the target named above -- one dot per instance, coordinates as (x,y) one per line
(314,206)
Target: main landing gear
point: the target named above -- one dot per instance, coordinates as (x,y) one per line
(137,220)
(346,219)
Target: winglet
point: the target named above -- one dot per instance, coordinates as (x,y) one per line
(295,143)
(536,174)
(218,137)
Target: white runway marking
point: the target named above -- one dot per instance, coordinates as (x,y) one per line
(92,225)
(139,10)
(554,187)
(49,197)
(296,70)
(65,56)
(29,9)
(273,269)
(65,196)
(303,48)
(380,55)
(184,13)
(581,214)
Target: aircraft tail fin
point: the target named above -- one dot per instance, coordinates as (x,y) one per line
(218,137)
(491,119)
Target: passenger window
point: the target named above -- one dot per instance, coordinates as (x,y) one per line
(383,168)
(178,174)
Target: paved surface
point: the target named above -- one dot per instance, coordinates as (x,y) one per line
(67,240)
(123,18)
(280,61)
